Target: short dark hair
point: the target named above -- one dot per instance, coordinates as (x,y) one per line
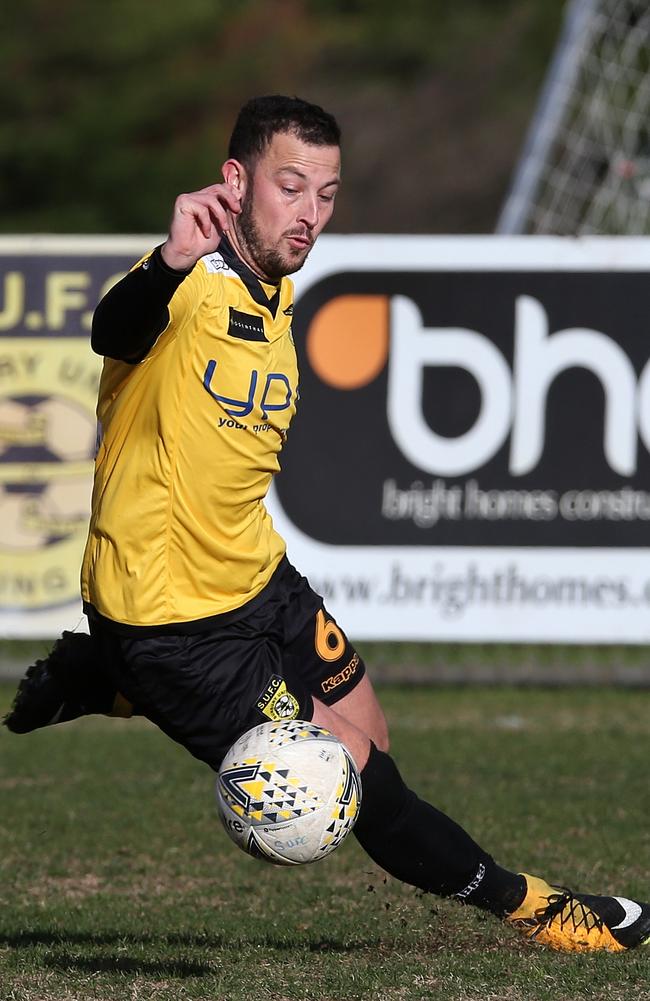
(263,117)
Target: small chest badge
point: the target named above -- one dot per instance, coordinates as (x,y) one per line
(245,326)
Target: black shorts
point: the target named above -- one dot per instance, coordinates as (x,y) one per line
(204,689)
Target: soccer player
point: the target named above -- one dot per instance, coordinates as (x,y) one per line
(196,616)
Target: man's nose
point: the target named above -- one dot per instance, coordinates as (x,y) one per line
(309,212)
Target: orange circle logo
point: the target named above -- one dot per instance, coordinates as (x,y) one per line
(347,342)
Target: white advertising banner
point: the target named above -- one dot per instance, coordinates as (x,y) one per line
(471,455)
(470,459)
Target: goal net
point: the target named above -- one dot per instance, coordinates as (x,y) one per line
(585,167)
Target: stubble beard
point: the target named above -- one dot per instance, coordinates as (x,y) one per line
(268,260)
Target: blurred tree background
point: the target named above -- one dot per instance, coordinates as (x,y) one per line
(109,110)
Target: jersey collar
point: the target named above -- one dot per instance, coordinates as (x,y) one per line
(253,284)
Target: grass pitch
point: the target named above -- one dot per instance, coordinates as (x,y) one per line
(117,881)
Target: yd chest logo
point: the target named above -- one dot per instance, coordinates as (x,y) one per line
(275,393)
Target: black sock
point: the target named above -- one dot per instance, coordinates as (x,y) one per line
(418,844)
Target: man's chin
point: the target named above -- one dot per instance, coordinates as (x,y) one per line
(286,264)
(296,260)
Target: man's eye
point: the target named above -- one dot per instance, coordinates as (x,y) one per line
(290,191)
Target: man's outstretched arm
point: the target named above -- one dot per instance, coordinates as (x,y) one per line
(134,313)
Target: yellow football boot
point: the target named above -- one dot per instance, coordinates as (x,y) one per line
(580,922)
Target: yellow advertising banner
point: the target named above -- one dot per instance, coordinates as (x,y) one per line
(49,378)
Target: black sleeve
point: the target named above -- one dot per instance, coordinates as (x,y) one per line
(133,314)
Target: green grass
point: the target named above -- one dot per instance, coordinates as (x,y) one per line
(117,881)
(428,663)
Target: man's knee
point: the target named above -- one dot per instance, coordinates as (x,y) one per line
(361,708)
(381,739)
(369,715)
(378,731)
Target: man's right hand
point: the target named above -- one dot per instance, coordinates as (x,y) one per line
(199,221)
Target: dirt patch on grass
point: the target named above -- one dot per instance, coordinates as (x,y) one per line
(26,781)
(67,887)
(208,892)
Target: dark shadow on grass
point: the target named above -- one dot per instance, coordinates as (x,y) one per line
(198,940)
(181,969)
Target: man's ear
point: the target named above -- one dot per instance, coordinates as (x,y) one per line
(234,173)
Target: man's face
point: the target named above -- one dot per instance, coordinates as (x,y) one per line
(287,202)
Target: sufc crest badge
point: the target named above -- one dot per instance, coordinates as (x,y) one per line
(276,702)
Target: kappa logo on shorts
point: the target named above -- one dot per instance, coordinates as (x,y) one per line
(342,676)
(276,703)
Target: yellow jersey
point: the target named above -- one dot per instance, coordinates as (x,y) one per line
(189,442)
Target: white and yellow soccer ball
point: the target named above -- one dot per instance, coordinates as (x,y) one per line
(288,792)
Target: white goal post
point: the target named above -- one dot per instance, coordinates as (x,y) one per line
(585,166)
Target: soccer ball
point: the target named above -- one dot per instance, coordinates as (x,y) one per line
(288,792)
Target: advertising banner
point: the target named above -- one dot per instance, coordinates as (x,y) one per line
(48,391)
(470,458)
